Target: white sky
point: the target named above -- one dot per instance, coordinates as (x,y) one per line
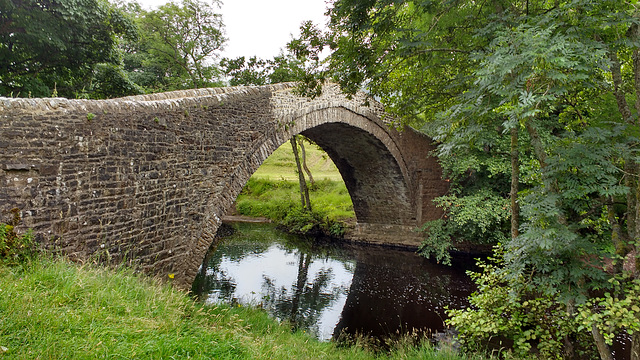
(262,27)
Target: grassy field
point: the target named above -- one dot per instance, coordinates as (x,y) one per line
(273,190)
(281,165)
(53,309)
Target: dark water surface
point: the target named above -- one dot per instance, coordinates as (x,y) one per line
(326,288)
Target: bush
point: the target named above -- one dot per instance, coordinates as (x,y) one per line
(15,249)
(534,324)
(480,218)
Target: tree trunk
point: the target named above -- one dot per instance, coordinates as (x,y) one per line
(616,238)
(631,169)
(515,179)
(304,162)
(635,346)
(603,349)
(304,190)
(569,349)
(618,92)
(635,338)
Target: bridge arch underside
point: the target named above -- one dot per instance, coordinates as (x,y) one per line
(373,176)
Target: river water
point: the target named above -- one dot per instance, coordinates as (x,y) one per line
(328,288)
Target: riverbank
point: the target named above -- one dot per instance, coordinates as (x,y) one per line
(279,201)
(57,309)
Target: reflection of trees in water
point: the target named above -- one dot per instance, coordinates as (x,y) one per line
(212,278)
(390,290)
(303,305)
(409,292)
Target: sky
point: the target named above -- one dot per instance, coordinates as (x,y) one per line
(262,27)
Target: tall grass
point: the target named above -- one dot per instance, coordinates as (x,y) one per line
(53,309)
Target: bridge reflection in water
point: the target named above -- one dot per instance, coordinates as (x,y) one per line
(326,288)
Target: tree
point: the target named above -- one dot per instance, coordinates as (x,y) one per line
(177,46)
(525,83)
(255,71)
(304,189)
(53,47)
(251,72)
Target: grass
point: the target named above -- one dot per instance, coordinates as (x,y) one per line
(281,165)
(53,309)
(273,199)
(273,190)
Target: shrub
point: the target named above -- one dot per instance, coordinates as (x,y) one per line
(15,249)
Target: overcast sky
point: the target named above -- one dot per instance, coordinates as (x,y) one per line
(262,27)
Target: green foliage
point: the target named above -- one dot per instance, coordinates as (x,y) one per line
(15,249)
(177,44)
(302,221)
(111,80)
(614,312)
(280,202)
(476,211)
(94,49)
(504,308)
(439,241)
(57,44)
(565,228)
(254,71)
(479,218)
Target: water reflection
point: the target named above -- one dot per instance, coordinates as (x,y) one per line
(327,288)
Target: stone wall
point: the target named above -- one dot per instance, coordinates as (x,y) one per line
(146,179)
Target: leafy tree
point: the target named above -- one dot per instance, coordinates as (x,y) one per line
(255,71)
(53,47)
(526,82)
(177,47)
(251,72)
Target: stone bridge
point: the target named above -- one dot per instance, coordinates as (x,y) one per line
(146,179)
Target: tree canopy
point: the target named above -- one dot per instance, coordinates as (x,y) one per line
(178,46)
(535,107)
(48,46)
(95,49)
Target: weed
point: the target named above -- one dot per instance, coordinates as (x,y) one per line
(15,249)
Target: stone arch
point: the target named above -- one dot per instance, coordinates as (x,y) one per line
(149,177)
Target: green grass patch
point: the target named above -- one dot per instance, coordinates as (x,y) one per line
(273,192)
(280,202)
(281,165)
(53,309)
(273,199)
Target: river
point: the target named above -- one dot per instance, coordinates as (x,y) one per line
(330,288)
